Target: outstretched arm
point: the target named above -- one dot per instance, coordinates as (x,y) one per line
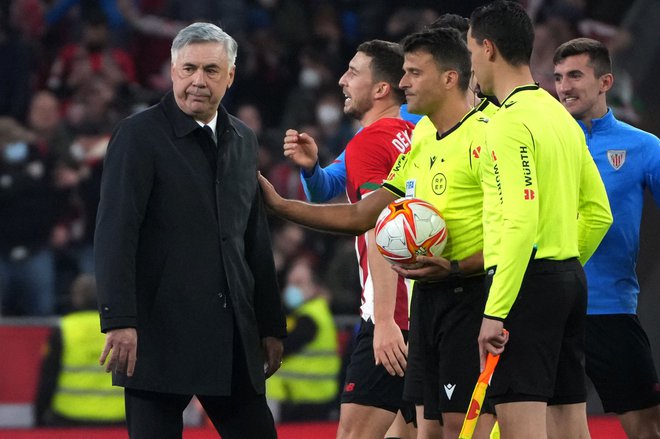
(353,219)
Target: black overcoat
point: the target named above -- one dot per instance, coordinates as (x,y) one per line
(183,255)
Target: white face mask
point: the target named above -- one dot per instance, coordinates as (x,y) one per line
(293,297)
(328,114)
(15,152)
(309,78)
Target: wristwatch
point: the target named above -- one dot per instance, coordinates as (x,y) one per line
(454,269)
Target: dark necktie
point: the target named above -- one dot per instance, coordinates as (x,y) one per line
(209,131)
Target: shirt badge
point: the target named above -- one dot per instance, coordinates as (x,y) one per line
(616,157)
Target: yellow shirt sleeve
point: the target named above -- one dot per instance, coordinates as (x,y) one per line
(595,216)
(512,151)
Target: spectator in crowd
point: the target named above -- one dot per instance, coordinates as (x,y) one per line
(73,390)
(46,122)
(15,71)
(77,63)
(306,386)
(30,207)
(84,178)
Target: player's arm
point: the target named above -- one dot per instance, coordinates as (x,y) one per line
(594,214)
(390,348)
(353,219)
(324,184)
(320,184)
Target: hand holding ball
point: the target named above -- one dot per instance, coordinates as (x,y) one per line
(408,227)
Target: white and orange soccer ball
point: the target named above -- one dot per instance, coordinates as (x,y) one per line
(408,227)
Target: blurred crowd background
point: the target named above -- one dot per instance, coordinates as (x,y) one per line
(71,69)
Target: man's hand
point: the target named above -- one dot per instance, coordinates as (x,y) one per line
(273,350)
(301,149)
(390,349)
(271,197)
(426,268)
(121,344)
(492,338)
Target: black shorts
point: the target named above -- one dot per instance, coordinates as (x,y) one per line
(443,354)
(370,385)
(544,357)
(620,364)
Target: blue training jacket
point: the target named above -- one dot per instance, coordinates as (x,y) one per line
(629,162)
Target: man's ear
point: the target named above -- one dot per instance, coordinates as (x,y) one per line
(490,49)
(232,72)
(606,82)
(381,89)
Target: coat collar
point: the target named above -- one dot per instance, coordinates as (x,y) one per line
(183,124)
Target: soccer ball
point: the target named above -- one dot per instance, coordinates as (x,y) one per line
(408,227)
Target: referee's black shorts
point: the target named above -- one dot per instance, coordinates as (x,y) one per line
(544,357)
(443,354)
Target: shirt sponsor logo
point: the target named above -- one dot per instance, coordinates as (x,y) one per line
(397,167)
(616,157)
(498,182)
(439,183)
(529,194)
(476,152)
(349,387)
(524,161)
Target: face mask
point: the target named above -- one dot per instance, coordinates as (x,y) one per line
(77,151)
(309,78)
(328,114)
(15,152)
(293,297)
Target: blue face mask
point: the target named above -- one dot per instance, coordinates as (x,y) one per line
(293,297)
(15,152)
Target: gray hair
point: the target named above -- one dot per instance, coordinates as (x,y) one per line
(203,33)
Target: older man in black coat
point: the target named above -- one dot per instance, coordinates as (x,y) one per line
(188,295)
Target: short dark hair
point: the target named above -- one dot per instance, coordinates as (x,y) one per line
(508,26)
(446,46)
(454,21)
(386,64)
(599,56)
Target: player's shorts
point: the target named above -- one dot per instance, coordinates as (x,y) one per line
(443,354)
(620,364)
(370,385)
(544,357)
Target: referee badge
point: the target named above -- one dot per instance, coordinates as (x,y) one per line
(616,157)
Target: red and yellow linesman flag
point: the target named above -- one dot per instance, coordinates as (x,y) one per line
(478,395)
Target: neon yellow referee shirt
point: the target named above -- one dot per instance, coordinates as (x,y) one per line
(444,170)
(541,190)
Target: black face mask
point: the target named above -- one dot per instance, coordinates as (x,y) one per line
(95,47)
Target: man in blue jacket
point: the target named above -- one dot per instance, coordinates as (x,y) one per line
(618,352)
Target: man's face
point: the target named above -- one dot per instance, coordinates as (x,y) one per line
(421,82)
(200,77)
(358,86)
(577,86)
(480,65)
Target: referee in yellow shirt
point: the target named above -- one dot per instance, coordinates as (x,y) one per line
(545,212)
(443,168)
